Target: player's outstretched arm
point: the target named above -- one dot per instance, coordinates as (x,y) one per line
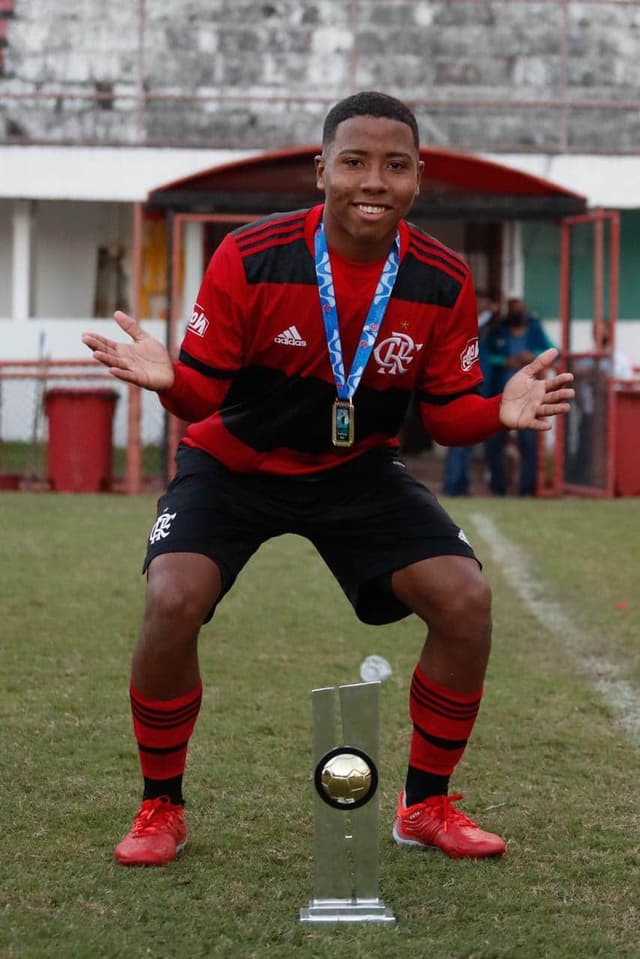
(144,362)
(528,402)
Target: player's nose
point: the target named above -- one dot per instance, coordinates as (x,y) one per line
(373,178)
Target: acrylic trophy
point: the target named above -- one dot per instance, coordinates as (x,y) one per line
(345,744)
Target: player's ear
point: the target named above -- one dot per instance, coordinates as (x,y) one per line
(319,164)
(419,177)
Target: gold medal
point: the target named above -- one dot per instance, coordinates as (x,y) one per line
(343,423)
(342,412)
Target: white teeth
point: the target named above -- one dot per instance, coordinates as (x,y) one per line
(371,209)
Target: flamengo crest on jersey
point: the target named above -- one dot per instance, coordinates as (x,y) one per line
(290,337)
(198,323)
(470,354)
(395,353)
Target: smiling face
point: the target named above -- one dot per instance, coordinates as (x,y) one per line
(370,173)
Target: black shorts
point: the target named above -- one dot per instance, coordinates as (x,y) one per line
(367,519)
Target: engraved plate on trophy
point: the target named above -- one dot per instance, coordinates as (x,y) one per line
(345,745)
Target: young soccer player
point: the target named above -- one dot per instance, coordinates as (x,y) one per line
(312,330)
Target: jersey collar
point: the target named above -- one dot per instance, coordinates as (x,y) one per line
(314,215)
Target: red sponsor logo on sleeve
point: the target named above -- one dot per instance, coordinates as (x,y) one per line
(198,323)
(469,354)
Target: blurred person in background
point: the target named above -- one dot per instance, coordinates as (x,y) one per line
(511,345)
(456,478)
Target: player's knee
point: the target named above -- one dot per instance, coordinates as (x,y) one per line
(463,609)
(470,607)
(177,603)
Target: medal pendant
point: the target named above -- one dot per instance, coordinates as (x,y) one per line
(343,423)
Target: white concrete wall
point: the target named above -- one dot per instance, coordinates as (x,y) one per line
(100,173)
(73,199)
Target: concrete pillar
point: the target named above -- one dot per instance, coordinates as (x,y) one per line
(22,265)
(193,265)
(513,260)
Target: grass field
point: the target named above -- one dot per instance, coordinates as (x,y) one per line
(28,459)
(548,767)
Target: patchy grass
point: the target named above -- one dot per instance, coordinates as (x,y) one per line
(547,766)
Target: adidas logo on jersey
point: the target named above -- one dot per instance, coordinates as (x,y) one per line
(290,337)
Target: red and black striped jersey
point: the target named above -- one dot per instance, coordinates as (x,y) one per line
(253,375)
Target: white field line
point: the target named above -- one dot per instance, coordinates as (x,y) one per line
(620,696)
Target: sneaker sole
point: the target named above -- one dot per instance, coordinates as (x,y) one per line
(401,841)
(150,865)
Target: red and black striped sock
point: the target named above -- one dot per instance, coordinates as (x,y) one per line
(162,729)
(442,724)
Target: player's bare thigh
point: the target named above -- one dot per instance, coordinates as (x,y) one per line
(447,592)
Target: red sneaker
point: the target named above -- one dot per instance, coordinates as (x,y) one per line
(437,824)
(158,834)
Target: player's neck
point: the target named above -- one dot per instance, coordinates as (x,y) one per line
(358,249)
(360,266)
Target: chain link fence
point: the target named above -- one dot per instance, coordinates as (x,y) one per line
(65,425)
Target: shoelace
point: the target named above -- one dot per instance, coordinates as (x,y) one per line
(155,816)
(443,808)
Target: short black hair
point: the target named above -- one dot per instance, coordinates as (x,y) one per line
(369,103)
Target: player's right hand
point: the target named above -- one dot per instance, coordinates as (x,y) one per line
(144,362)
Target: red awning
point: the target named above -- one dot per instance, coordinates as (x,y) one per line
(453,182)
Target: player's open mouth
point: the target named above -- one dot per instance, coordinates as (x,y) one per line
(369,208)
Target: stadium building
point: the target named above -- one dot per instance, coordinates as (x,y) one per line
(133,136)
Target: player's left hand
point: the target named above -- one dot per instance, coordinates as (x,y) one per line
(528,401)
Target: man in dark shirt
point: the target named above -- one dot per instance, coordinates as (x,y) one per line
(456,474)
(512,345)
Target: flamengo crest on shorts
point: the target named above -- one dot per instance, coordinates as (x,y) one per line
(162,527)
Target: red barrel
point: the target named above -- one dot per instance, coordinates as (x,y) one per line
(80,455)
(627,462)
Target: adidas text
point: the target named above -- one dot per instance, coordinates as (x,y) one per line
(290,337)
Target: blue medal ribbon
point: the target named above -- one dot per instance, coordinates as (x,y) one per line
(346,387)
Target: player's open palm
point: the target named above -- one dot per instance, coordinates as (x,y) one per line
(528,400)
(144,362)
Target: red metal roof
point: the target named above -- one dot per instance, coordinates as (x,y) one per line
(292,171)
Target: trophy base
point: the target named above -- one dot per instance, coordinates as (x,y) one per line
(347,910)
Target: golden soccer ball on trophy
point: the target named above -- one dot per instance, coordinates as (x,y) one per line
(346,778)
